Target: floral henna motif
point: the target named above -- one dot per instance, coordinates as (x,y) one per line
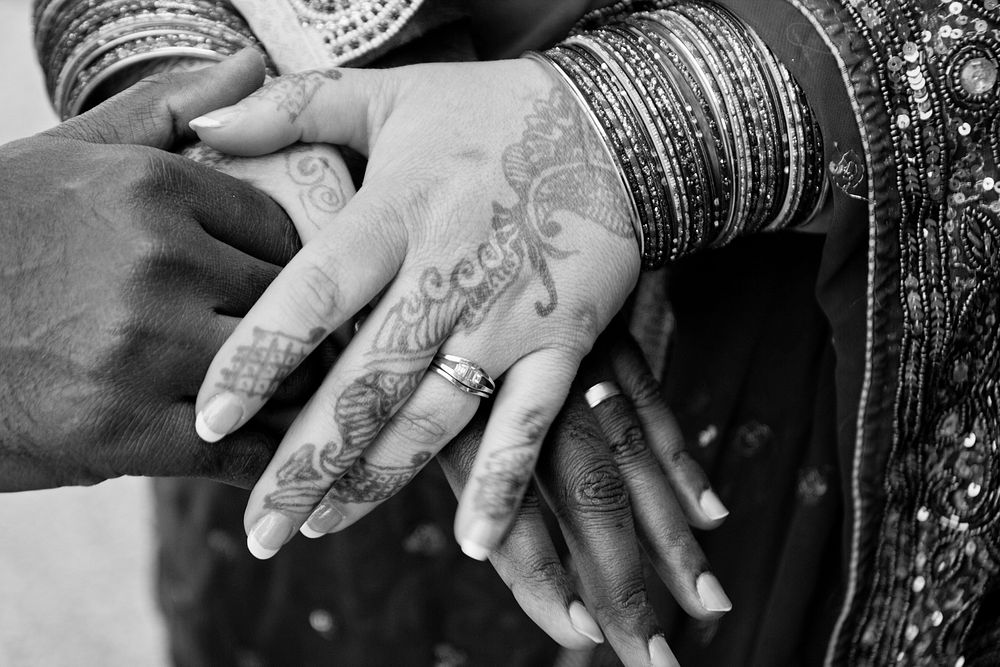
(558,173)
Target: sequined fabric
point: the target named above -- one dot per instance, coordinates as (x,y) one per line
(926,91)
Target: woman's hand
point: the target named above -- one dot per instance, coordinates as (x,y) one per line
(492,225)
(611,473)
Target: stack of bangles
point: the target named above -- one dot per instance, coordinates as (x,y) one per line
(710,134)
(83,44)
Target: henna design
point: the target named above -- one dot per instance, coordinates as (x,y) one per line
(298,480)
(557,175)
(322,193)
(507,473)
(366,482)
(292,93)
(256,370)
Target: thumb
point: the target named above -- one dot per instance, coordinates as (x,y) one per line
(155,111)
(333,106)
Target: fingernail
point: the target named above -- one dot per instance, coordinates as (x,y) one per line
(214,120)
(474,541)
(584,623)
(712,506)
(322,521)
(269,534)
(713,598)
(221,415)
(660,654)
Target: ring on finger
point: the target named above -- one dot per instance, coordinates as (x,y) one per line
(601,392)
(465,374)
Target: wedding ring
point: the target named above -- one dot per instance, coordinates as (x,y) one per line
(465,374)
(601,392)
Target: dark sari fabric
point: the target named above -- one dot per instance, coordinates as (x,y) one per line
(841,391)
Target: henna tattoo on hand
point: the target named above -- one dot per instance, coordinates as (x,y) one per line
(292,93)
(366,482)
(507,473)
(322,193)
(559,174)
(256,370)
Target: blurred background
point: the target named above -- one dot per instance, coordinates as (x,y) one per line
(76,565)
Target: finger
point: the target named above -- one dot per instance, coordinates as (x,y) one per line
(243,217)
(431,418)
(527,560)
(701,504)
(531,397)
(170,448)
(156,111)
(375,376)
(661,523)
(332,106)
(588,495)
(310,182)
(328,281)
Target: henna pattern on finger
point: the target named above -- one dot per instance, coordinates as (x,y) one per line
(505,477)
(292,93)
(322,192)
(559,176)
(256,370)
(367,482)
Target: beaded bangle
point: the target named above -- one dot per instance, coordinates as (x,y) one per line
(711,135)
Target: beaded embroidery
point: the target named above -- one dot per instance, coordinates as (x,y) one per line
(352,28)
(939,540)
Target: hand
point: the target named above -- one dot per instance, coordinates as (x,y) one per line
(125,267)
(493,225)
(609,473)
(310,182)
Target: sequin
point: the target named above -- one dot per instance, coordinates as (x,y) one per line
(978,76)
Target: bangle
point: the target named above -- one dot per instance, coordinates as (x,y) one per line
(711,135)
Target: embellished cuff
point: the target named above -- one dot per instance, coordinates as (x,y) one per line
(81,45)
(711,135)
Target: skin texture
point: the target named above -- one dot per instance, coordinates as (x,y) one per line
(508,246)
(119,289)
(124,268)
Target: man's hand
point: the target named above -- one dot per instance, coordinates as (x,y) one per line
(124,269)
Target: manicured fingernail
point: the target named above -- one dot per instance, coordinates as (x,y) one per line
(213,120)
(221,415)
(269,534)
(584,623)
(712,506)
(713,598)
(474,541)
(324,519)
(660,654)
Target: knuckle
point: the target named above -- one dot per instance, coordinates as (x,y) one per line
(315,295)
(627,601)
(535,572)
(646,392)
(601,489)
(625,438)
(418,426)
